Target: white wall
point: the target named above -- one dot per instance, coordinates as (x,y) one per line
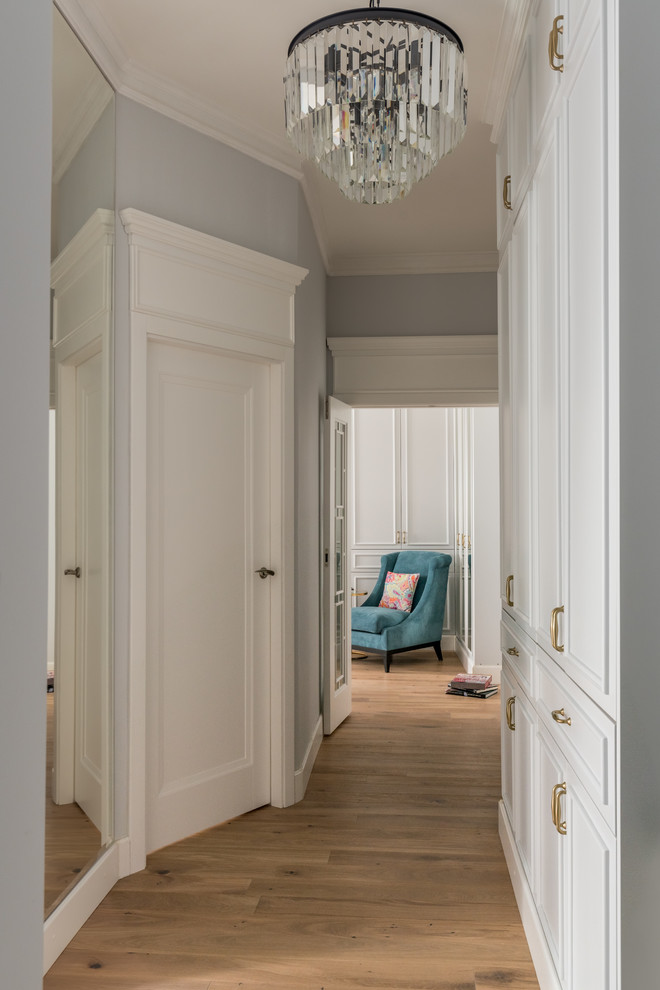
(25,108)
(640,488)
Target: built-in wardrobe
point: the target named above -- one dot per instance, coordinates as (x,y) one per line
(558,816)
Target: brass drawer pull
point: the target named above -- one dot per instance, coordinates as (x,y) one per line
(556,60)
(560,716)
(513,652)
(557,792)
(509,582)
(510,702)
(506,192)
(554,635)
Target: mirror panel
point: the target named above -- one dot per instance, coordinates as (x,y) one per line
(79,805)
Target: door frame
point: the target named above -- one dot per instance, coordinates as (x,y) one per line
(193,288)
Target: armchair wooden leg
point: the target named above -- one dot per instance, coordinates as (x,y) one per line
(438,651)
(386,662)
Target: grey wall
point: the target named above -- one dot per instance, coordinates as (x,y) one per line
(412,305)
(171,171)
(25,108)
(89,181)
(639,737)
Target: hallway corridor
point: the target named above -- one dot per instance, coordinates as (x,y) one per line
(388,876)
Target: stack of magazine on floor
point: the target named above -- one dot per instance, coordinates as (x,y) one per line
(472,685)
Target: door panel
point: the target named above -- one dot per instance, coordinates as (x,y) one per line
(425,477)
(337,660)
(375,480)
(208,664)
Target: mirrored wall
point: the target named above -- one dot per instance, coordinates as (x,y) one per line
(78,668)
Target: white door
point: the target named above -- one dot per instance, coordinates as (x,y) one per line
(208,611)
(337,660)
(89,683)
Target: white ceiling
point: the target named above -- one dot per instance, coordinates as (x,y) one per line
(218,66)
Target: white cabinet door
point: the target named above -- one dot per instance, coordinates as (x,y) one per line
(550,886)
(503,181)
(576,890)
(520,587)
(591,891)
(521,131)
(546,79)
(584,630)
(547,562)
(518,733)
(506,424)
(376,479)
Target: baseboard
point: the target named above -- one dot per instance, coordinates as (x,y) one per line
(463,655)
(301,776)
(538,947)
(74,910)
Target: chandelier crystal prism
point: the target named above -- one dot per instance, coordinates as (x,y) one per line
(375,97)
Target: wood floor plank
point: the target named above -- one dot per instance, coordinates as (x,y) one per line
(388,876)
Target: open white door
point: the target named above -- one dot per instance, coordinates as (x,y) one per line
(337,660)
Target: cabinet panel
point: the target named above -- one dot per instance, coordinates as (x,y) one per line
(426,477)
(545,79)
(503,182)
(585,377)
(506,424)
(551,887)
(591,884)
(520,140)
(520,416)
(375,478)
(547,565)
(519,651)
(517,735)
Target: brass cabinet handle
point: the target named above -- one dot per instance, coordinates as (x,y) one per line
(513,652)
(458,539)
(556,60)
(509,581)
(554,635)
(405,536)
(557,792)
(398,536)
(510,702)
(506,192)
(560,716)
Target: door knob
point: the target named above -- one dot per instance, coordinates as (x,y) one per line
(264,572)
(73,570)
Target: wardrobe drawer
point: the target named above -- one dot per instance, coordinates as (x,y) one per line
(584,733)
(520,651)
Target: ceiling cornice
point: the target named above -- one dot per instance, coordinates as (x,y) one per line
(512,35)
(160,94)
(415,264)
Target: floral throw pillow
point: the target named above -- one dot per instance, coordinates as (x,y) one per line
(399,591)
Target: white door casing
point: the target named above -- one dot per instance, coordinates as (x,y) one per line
(337,660)
(201,295)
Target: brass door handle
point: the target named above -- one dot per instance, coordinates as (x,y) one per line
(405,536)
(510,702)
(554,634)
(513,652)
(506,192)
(509,582)
(560,716)
(557,791)
(556,60)
(397,539)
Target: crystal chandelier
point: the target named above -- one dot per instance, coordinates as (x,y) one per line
(375,98)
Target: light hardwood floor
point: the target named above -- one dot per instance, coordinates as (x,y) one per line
(72,841)
(388,876)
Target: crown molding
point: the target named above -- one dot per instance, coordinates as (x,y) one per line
(510,40)
(154,232)
(160,94)
(441,263)
(85,114)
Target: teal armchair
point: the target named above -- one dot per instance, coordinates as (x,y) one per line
(386,631)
